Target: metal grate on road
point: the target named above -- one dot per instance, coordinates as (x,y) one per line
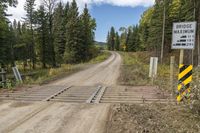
(126,94)
(90,94)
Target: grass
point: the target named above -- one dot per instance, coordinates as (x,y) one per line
(135,71)
(102,57)
(42,76)
(162,118)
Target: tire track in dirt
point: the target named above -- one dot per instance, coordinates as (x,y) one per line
(80,118)
(26,118)
(104,73)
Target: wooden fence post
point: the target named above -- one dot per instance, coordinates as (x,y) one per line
(3,76)
(172,62)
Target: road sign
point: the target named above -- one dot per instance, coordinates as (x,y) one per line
(185,78)
(184,35)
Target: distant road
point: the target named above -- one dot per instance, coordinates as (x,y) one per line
(105,73)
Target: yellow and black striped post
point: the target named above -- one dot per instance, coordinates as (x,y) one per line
(185,78)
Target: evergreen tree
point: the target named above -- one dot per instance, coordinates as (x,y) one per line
(19,44)
(117,42)
(155,38)
(144,28)
(74,43)
(108,41)
(22,50)
(49,6)
(59,33)
(5,32)
(112,38)
(66,13)
(135,43)
(128,39)
(29,8)
(43,34)
(4,47)
(12,41)
(65,21)
(88,27)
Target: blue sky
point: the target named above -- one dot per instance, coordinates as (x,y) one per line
(117,13)
(109,15)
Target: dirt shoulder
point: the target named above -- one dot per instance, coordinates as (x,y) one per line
(152,118)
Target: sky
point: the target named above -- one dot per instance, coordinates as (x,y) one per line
(117,13)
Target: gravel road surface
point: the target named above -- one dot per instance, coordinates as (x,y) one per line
(47,117)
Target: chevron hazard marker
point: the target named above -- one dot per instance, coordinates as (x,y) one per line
(185,79)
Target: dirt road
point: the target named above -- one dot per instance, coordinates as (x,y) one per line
(47,117)
(105,73)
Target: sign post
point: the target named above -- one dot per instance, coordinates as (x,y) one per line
(172,62)
(153,68)
(17,74)
(181,56)
(184,36)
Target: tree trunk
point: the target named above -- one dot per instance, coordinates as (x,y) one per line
(51,42)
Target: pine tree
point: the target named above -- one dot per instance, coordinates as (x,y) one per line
(22,51)
(19,45)
(43,35)
(144,28)
(49,6)
(134,44)
(66,13)
(5,32)
(59,33)
(65,21)
(108,41)
(88,27)
(74,44)
(155,38)
(4,47)
(12,41)
(29,8)
(128,39)
(117,42)
(112,37)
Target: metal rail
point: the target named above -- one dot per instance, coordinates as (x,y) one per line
(57,93)
(93,95)
(102,91)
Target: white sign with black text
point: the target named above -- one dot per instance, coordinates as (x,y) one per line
(184,34)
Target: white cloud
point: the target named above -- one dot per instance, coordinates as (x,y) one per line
(19,12)
(130,3)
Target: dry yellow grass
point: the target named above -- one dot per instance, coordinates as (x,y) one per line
(47,75)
